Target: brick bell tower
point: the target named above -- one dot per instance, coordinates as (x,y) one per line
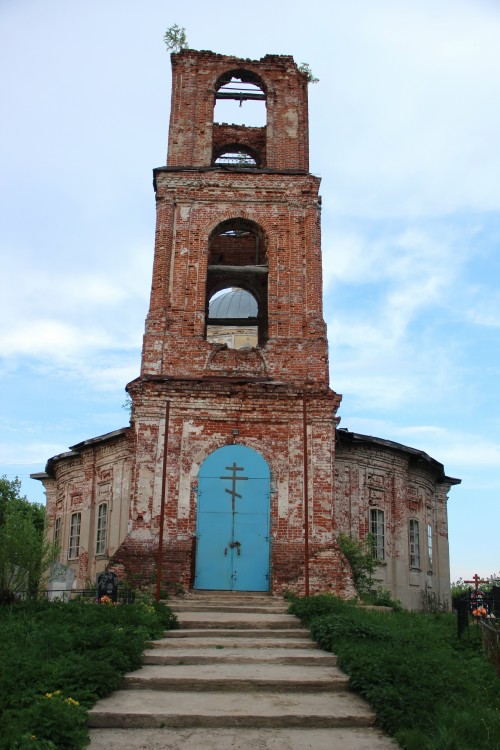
(233,418)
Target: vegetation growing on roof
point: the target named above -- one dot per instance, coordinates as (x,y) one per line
(175,38)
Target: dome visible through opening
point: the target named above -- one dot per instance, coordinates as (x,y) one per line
(233,303)
(232,319)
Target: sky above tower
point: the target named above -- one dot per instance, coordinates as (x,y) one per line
(404,128)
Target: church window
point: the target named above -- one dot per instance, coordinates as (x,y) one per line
(57,531)
(377,530)
(414,534)
(429,549)
(74,536)
(102,525)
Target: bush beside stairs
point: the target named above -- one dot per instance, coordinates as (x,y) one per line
(240,673)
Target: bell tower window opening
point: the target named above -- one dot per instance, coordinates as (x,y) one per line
(240,99)
(236,156)
(237,242)
(237,267)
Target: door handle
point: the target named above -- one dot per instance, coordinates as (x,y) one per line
(238,547)
(225,552)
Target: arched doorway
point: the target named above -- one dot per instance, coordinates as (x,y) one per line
(232,552)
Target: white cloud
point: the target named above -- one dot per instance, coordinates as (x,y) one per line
(49,338)
(27,453)
(417,110)
(482,306)
(86,326)
(396,300)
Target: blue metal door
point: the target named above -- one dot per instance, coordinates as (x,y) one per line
(232,550)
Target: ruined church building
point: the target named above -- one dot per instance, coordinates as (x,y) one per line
(233,456)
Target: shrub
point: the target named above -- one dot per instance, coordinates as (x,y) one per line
(24,552)
(430,690)
(360,557)
(59,658)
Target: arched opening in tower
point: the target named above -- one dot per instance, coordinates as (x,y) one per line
(240,120)
(240,99)
(236,289)
(236,156)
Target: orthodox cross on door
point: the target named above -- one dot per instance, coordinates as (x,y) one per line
(233,479)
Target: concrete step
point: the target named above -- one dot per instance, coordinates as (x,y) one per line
(153,708)
(237,738)
(238,655)
(269,609)
(239,620)
(200,632)
(233,595)
(220,640)
(240,673)
(242,677)
(240,602)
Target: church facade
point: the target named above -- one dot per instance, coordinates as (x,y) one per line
(233,473)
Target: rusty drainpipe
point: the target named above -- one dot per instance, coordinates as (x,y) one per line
(162,504)
(306,496)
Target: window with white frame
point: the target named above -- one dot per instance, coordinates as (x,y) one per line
(414,543)
(74,535)
(57,531)
(430,559)
(377,530)
(102,525)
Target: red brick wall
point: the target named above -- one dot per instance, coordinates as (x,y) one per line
(240,135)
(194,79)
(190,205)
(203,417)
(237,251)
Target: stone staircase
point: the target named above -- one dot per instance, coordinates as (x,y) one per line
(240,673)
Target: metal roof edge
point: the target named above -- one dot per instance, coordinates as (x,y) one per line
(99,439)
(419,455)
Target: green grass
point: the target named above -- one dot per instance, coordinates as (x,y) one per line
(57,659)
(429,690)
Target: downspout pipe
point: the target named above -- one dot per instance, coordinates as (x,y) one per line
(162,503)
(306,495)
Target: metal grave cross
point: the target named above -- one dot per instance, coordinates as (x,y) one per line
(476,580)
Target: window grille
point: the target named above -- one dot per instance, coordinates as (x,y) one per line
(414,544)
(377,530)
(74,535)
(429,549)
(57,531)
(102,525)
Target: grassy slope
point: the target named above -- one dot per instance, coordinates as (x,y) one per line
(431,691)
(58,659)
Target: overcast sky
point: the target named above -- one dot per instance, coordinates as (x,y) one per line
(404,129)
